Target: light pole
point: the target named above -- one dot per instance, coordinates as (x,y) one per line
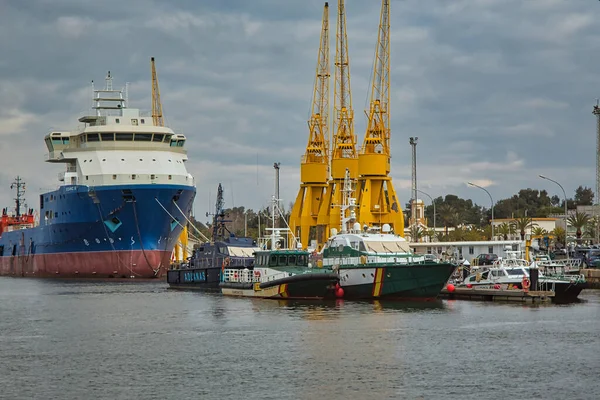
(492,200)
(564,194)
(432,202)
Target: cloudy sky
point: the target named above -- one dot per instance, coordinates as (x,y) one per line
(498,91)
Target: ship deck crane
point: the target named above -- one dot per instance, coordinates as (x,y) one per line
(343,156)
(315,162)
(157,112)
(377,199)
(180,252)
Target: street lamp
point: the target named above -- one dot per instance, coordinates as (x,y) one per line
(564,194)
(492,200)
(432,202)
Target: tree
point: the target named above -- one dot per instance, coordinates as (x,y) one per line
(447,214)
(584,196)
(578,221)
(559,235)
(505,229)
(521,224)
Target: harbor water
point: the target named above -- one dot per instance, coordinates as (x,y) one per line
(111,340)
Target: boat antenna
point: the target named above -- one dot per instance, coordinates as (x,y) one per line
(20,186)
(348,203)
(219,227)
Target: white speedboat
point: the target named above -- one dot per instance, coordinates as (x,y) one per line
(515,273)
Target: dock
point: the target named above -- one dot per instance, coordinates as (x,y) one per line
(503,295)
(592,277)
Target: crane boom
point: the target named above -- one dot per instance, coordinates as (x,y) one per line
(344,140)
(343,155)
(318,126)
(315,162)
(377,136)
(377,199)
(157,113)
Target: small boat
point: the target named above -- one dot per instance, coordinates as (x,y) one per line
(375,263)
(515,273)
(203,270)
(280,273)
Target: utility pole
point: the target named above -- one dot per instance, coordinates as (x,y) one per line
(413,204)
(277,200)
(596,112)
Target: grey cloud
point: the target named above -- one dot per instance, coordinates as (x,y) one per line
(497,90)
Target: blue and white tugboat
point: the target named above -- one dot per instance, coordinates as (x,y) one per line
(208,260)
(123,199)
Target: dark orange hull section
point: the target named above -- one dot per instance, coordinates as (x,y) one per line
(102,264)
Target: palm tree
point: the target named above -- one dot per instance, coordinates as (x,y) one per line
(505,229)
(578,221)
(521,224)
(539,231)
(559,234)
(430,233)
(447,213)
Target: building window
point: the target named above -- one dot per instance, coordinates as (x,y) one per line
(114,177)
(133,176)
(152,176)
(86,177)
(117,120)
(170,177)
(142,120)
(471,250)
(490,249)
(429,250)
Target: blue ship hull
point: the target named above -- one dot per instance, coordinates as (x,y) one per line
(103,231)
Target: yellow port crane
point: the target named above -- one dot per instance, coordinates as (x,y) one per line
(157,113)
(377,199)
(315,162)
(180,252)
(343,155)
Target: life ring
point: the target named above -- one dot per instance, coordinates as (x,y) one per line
(235,275)
(257,274)
(525,283)
(226,262)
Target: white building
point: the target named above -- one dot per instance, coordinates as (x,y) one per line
(468,250)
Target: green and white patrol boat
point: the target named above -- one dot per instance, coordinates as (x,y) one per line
(375,263)
(280,273)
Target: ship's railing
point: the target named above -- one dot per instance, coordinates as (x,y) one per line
(240,276)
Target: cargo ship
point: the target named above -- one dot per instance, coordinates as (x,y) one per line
(122,201)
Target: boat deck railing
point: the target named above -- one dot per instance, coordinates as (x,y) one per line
(250,276)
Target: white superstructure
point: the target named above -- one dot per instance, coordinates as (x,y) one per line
(119,145)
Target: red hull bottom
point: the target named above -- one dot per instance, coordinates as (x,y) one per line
(105,264)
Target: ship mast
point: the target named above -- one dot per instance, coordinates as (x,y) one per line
(157,112)
(19,185)
(378,202)
(344,157)
(315,163)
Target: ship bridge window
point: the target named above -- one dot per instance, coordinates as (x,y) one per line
(56,140)
(302,260)
(180,143)
(143,137)
(93,137)
(158,137)
(107,137)
(273,260)
(282,260)
(124,136)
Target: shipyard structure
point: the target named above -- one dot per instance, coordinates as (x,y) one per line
(316,212)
